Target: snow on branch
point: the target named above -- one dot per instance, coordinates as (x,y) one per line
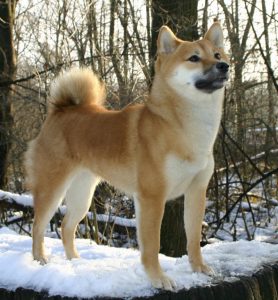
(25,201)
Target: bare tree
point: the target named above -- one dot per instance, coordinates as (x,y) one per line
(7,71)
(238,44)
(181,16)
(271,135)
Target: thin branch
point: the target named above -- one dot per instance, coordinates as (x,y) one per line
(240,149)
(57,66)
(253,185)
(269,69)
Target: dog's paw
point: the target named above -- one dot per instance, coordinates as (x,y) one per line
(203,268)
(163,282)
(41,259)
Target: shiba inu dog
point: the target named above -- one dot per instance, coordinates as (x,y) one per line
(155,151)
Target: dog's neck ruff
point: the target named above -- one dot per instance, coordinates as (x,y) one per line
(198,113)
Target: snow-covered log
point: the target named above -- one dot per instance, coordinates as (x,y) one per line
(244,271)
(263,285)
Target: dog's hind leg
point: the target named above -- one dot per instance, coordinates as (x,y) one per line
(78,200)
(48,192)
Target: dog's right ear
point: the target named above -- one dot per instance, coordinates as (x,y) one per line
(167,42)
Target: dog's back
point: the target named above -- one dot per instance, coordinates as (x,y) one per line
(79,131)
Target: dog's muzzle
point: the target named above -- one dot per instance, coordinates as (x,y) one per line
(214,78)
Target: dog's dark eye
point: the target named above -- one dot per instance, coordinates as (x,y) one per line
(194,58)
(217,56)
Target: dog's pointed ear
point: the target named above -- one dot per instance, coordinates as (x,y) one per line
(215,35)
(167,42)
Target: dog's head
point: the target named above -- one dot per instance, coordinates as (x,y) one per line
(193,66)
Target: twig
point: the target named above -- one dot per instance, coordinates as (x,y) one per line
(265,175)
(269,69)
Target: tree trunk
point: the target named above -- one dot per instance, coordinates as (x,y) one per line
(271,135)
(94,39)
(116,57)
(7,71)
(181,17)
(172,235)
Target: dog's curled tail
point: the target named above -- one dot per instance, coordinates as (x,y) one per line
(76,87)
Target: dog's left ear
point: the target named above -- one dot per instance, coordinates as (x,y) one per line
(215,35)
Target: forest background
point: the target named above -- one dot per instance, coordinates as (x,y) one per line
(117,39)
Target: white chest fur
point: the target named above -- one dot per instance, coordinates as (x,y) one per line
(179,173)
(201,123)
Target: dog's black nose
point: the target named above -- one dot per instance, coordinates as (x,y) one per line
(222,66)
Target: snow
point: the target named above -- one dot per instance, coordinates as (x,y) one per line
(25,200)
(117,272)
(114,219)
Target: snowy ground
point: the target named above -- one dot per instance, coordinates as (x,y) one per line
(117,272)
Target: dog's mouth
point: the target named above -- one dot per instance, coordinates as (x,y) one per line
(210,85)
(214,78)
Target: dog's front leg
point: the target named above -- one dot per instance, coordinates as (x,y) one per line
(194,210)
(149,213)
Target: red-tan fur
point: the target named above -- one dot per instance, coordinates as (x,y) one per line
(82,143)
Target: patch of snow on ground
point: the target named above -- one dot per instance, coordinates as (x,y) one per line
(117,272)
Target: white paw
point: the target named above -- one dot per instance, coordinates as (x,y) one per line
(163,282)
(203,268)
(41,259)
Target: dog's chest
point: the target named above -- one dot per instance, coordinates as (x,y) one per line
(179,173)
